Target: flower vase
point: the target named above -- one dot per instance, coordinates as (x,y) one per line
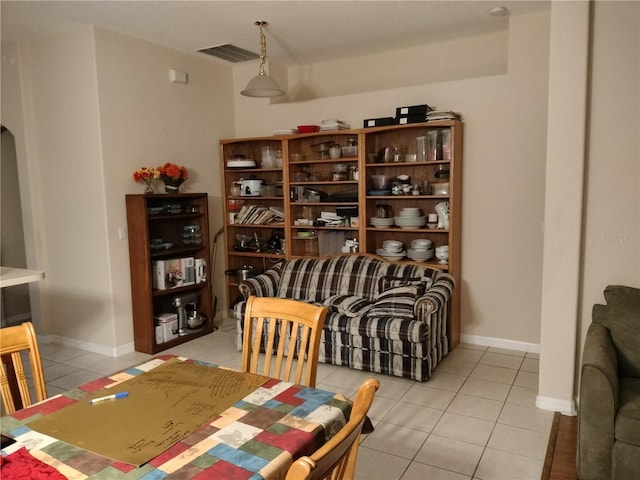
(147,185)
(172,185)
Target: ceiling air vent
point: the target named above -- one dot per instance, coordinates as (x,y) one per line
(229,52)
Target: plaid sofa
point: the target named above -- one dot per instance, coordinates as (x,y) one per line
(383,317)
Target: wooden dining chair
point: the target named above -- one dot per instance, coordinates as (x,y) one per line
(288,333)
(13,379)
(336,459)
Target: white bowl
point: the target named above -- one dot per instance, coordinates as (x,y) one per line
(421,243)
(442,256)
(410,212)
(392,243)
(410,222)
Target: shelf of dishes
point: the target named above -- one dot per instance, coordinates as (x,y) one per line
(418,250)
(423,183)
(411,218)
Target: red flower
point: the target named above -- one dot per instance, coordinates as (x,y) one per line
(173,172)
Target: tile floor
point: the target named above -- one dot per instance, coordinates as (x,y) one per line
(475,419)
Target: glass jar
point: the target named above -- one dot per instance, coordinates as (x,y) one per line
(353,173)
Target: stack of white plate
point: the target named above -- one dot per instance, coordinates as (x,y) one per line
(380,222)
(420,255)
(410,218)
(391,255)
(240,163)
(392,250)
(421,250)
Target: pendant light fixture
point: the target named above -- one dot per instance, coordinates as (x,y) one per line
(262,85)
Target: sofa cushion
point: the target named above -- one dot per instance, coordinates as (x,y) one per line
(627,427)
(623,320)
(397,302)
(349,305)
(378,327)
(387,282)
(314,279)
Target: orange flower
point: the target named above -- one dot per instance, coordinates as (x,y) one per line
(173,172)
(145,174)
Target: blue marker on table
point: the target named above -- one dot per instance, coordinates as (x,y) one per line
(115,396)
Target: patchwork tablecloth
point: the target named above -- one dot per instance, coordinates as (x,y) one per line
(257,438)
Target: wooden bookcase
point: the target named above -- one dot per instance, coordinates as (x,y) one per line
(304,169)
(156,230)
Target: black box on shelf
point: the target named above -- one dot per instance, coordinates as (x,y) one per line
(379,122)
(347,211)
(413,110)
(406,119)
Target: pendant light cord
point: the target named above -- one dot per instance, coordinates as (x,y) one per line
(263,46)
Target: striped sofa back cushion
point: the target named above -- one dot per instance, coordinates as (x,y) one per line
(317,279)
(410,271)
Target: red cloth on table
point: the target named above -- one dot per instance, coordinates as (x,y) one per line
(21,465)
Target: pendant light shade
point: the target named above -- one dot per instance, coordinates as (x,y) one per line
(262,85)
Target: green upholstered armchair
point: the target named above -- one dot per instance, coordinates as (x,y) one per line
(609,414)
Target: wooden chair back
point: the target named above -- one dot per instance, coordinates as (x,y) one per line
(13,379)
(336,459)
(287,332)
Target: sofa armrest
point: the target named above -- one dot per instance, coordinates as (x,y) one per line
(263,285)
(436,297)
(598,404)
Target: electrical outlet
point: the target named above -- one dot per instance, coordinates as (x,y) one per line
(122,233)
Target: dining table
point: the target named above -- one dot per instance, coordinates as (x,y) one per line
(256,437)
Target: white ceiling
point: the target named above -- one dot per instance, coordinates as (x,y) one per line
(299,32)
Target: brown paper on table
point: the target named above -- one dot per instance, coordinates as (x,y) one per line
(164,405)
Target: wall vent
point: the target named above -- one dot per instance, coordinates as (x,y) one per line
(229,52)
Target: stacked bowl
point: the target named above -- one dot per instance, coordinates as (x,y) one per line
(392,250)
(421,250)
(410,217)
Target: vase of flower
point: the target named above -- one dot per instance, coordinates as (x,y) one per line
(146,175)
(173,176)
(172,185)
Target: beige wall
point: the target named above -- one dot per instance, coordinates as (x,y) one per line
(147,120)
(503,102)
(67,190)
(611,237)
(97,106)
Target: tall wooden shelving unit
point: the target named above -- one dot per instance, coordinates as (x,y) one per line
(149,218)
(299,156)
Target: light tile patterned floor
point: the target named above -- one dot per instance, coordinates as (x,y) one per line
(475,419)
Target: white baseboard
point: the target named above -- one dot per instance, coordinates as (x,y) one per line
(88,346)
(565,407)
(500,343)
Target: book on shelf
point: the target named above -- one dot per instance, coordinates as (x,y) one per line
(258,215)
